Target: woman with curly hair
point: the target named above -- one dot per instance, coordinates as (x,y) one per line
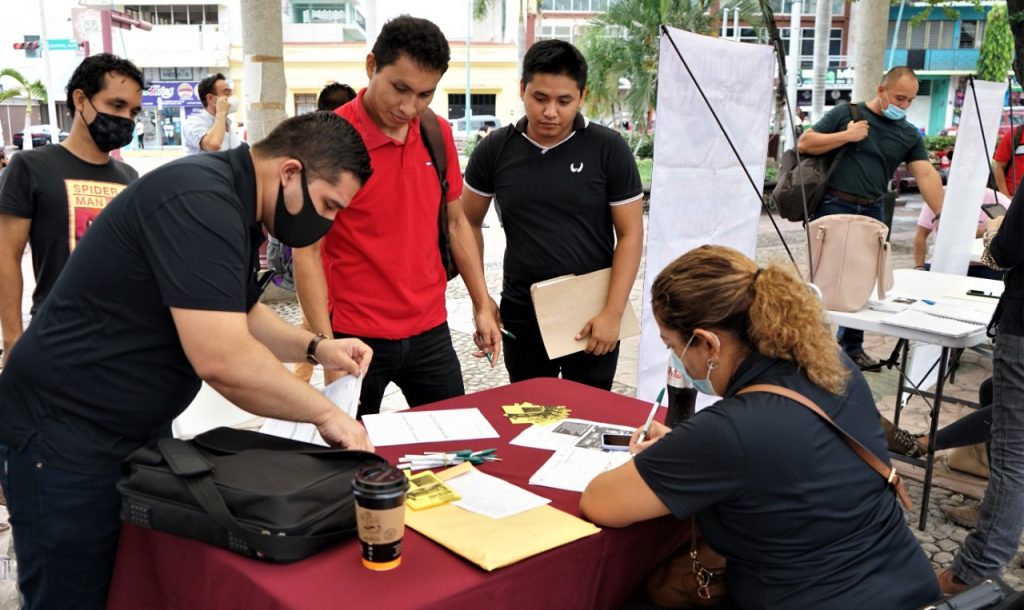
(802,520)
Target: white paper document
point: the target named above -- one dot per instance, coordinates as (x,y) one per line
(568,433)
(963,313)
(572,468)
(343,392)
(492,497)
(409,427)
(892,302)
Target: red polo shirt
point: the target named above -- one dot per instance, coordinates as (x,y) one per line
(381,260)
(1006,150)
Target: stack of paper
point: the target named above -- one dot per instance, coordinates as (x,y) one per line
(919,320)
(572,468)
(408,427)
(343,392)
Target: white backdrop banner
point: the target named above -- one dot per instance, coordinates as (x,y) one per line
(699,192)
(965,190)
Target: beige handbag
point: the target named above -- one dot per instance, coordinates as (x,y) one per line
(850,256)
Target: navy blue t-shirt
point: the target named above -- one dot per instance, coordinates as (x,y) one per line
(803,521)
(101,371)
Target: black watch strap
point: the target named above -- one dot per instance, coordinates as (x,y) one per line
(311,349)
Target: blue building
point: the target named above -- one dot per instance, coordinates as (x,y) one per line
(943,50)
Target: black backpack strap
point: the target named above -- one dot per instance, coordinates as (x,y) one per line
(434,141)
(856,115)
(197,473)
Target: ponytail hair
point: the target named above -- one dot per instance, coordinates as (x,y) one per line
(770,309)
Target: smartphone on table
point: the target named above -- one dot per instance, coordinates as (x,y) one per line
(993,210)
(615,442)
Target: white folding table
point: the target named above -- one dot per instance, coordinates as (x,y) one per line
(933,286)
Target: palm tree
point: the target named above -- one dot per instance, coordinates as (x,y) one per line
(34,90)
(624,43)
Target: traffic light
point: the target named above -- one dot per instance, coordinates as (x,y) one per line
(27,46)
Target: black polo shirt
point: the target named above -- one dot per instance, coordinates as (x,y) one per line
(101,370)
(554,203)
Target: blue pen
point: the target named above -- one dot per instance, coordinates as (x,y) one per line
(927,302)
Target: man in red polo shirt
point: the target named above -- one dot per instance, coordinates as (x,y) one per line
(1009,161)
(377,275)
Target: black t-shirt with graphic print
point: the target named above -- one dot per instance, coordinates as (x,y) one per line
(555,203)
(62,195)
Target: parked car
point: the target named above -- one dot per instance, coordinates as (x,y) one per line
(902,180)
(476,123)
(1005,121)
(41,135)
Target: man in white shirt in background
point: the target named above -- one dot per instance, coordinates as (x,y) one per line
(212,130)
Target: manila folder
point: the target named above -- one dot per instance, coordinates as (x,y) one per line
(496,543)
(565,304)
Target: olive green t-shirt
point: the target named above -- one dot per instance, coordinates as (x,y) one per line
(868,165)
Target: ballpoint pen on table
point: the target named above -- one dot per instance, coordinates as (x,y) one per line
(654,409)
(435,459)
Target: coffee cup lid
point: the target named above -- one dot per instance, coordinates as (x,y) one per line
(380,478)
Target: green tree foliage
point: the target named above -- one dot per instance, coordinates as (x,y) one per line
(624,43)
(30,90)
(996,55)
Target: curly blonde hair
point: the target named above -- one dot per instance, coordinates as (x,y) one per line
(770,309)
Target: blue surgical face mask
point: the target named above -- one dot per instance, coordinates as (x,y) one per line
(894,112)
(701,385)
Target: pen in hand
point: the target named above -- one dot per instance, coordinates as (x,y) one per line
(654,409)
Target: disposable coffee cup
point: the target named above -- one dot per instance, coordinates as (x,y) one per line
(380,514)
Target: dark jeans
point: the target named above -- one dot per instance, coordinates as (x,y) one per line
(851,339)
(526,358)
(65,526)
(425,367)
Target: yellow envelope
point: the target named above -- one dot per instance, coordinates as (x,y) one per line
(496,543)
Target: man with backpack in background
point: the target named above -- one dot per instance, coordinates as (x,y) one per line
(877,143)
(387,243)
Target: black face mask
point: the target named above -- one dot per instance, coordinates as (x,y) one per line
(110,132)
(301,229)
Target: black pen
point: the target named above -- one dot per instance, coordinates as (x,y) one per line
(981,293)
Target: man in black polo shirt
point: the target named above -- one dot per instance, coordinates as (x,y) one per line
(569,196)
(878,144)
(159,295)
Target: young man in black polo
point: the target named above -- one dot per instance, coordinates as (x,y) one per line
(161,296)
(570,197)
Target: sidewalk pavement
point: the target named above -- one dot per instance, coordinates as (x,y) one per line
(941,538)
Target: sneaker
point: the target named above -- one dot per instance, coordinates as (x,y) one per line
(865,362)
(949,584)
(965,515)
(900,441)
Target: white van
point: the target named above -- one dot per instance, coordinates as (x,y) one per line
(477,122)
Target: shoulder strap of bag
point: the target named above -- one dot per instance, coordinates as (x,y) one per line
(197,473)
(887,472)
(857,115)
(431,133)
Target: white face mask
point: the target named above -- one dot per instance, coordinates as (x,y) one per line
(232,104)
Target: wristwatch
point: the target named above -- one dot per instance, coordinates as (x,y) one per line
(311,349)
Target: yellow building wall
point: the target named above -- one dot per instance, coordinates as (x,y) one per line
(494,69)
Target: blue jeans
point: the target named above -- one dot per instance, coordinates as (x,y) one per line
(851,339)
(988,549)
(526,357)
(424,366)
(66,526)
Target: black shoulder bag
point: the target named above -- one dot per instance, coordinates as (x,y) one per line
(812,172)
(258,495)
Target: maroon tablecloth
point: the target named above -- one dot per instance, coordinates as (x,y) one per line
(156,570)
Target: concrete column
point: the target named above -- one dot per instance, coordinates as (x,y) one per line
(869,22)
(263,67)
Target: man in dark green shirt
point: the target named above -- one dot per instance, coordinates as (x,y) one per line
(878,144)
